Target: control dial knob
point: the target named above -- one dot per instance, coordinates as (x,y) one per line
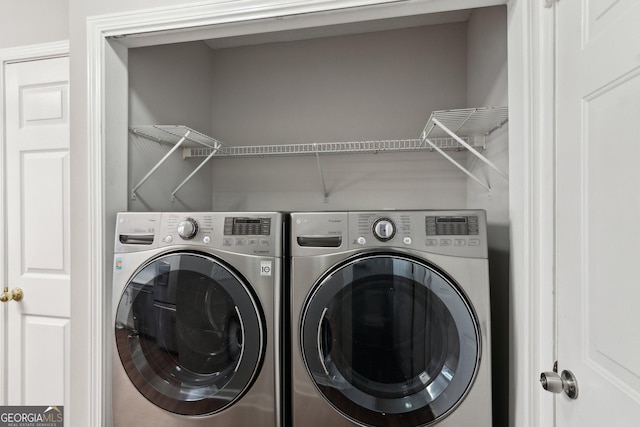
(384,229)
(188,228)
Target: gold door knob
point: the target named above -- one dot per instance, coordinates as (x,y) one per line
(16,294)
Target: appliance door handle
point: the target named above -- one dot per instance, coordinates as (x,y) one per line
(320,352)
(136,239)
(241,347)
(319,241)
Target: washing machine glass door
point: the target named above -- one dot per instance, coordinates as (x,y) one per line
(390,340)
(189,333)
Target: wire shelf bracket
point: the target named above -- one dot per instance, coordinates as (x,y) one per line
(483,121)
(209,157)
(177,136)
(324,185)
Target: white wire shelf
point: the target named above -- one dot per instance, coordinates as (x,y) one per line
(465,122)
(446,130)
(380,146)
(455,123)
(171,134)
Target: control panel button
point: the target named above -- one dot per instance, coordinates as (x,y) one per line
(445,242)
(361,240)
(206,240)
(432,242)
(168,239)
(459,242)
(474,242)
(407,240)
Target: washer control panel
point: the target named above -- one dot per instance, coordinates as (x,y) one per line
(461,233)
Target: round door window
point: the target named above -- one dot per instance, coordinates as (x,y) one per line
(189,333)
(390,340)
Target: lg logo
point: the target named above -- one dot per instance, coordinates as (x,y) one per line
(265,268)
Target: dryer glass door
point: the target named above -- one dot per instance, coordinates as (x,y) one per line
(189,333)
(390,340)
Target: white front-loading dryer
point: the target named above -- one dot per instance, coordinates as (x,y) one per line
(390,319)
(196,303)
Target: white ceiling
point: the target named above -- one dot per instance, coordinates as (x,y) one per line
(301,27)
(339,29)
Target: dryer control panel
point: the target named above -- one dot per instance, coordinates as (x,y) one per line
(458,233)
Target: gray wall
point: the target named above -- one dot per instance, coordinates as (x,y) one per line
(169,84)
(370,86)
(25,22)
(487,86)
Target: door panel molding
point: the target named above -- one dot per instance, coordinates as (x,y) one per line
(41,381)
(600,14)
(53,96)
(40,237)
(597,208)
(606,282)
(37,238)
(9,56)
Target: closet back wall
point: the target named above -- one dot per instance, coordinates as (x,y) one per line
(169,84)
(371,86)
(380,85)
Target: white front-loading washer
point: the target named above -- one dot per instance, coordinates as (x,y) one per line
(196,303)
(390,319)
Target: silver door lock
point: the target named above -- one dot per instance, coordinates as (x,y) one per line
(555,383)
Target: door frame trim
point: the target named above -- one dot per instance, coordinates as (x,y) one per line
(533,308)
(531,190)
(10,56)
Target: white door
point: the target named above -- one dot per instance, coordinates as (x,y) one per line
(598,210)
(37,229)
